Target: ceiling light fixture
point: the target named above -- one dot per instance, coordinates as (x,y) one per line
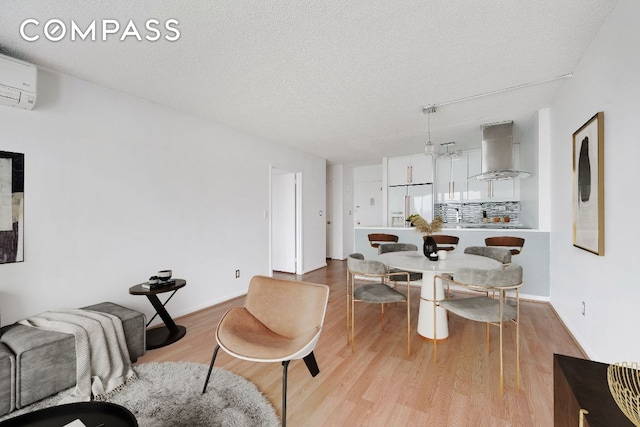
(450,152)
(429,148)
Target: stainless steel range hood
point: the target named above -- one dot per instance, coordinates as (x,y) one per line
(497,153)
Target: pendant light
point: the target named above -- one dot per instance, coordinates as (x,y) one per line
(429,148)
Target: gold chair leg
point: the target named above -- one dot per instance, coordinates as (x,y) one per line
(408,318)
(518,339)
(348,306)
(501,360)
(435,338)
(353,325)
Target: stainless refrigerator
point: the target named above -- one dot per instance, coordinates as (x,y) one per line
(405,200)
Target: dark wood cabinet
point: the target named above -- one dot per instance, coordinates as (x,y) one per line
(580,384)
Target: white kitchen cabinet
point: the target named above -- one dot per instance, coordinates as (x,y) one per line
(405,170)
(486,190)
(476,189)
(504,189)
(451,179)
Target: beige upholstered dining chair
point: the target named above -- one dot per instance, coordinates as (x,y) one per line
(373,291)
(502,255)
(493,310)
(399,247)
(281,321)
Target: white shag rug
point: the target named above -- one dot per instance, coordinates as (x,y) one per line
(169,394)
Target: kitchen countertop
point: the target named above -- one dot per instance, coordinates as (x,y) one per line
(464,226)
(483,225)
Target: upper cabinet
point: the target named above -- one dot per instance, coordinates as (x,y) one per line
(451,178)
(477,189)
(406,170)
(502,190)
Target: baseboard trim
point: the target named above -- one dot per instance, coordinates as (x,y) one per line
(566,328)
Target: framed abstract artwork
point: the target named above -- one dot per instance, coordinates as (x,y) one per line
(588,186)
(11,207)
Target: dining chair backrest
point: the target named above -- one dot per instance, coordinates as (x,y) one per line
(445,242)
(510,275)
(514,244)
(358,265)
(375,239)
(499,254)
(396,247)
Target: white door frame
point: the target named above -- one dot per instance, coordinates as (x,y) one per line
(273,169)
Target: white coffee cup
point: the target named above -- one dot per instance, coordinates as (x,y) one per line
(442,254)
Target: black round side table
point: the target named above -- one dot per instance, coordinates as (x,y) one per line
(170,332)
(89,413)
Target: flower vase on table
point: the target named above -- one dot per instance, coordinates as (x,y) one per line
(429,248)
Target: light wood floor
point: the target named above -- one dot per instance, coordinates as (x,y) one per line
(378,385)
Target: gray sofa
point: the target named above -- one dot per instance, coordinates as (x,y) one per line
(35,364)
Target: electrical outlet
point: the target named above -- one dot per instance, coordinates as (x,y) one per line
(237,274)
(584,307)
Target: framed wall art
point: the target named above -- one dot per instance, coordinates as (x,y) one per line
(588,186)
(11,207)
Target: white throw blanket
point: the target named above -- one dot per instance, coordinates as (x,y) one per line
(102,357)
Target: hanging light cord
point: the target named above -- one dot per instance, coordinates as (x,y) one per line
(429,127)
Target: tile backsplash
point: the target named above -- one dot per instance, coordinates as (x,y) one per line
(472,212)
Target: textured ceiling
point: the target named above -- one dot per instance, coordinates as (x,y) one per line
(343,80)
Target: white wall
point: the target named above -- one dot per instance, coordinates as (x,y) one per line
(347,213)
(534,157)
(340,179)
(528,157)
(367,182)
(605,80)
(335,180)
(544,170)
(117,188)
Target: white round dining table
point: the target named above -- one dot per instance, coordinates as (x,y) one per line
(415,261)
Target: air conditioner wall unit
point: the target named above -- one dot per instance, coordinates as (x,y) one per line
(17,83)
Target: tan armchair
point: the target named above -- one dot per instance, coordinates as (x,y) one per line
(281,321)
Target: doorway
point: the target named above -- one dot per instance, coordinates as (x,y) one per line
(329,212)
(285,216)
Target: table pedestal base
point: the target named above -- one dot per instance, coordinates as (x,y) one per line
(427,307)
(162,336)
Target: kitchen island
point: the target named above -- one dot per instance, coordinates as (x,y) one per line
(534,258)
